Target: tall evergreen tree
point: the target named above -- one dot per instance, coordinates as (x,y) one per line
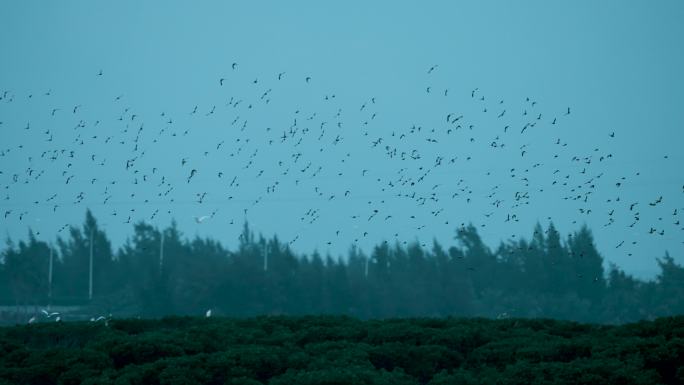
(72,281)
(535,263)
(461,292)
(588,265)
(4,287)
(670,286)
(26,268)
(560,271)
(140,257)
(480,262)
(203,268)
(621,303)
(338,286)
(282,269)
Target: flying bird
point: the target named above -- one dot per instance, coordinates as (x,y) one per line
(192,173)
(48,314)
(201,219)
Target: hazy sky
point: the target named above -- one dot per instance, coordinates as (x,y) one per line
(111,105)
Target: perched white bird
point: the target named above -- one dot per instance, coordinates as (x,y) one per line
(201,219)
(32,320)
(208,313)
(58,319)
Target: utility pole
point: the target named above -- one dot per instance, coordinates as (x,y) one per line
(366,267)
(90,286)
(266,257)
(161,252)
(50,279)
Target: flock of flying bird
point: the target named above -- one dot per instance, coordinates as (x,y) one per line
(336,159)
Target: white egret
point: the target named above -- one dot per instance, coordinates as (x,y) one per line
(201,219)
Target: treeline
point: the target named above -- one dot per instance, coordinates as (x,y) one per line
(333,350)
(545,276)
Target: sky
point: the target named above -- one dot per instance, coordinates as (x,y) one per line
(347,123)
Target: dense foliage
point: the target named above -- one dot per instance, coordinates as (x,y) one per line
(543,277)
(280,350)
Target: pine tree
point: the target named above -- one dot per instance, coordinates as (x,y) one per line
(140,257)
(560,272)
(480,262)
(535,264)
(26,268)
(670,286)
(588,266)
(72,278)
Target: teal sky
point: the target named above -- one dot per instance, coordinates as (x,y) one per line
(615,64)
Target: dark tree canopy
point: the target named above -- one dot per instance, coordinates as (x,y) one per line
(159,272)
